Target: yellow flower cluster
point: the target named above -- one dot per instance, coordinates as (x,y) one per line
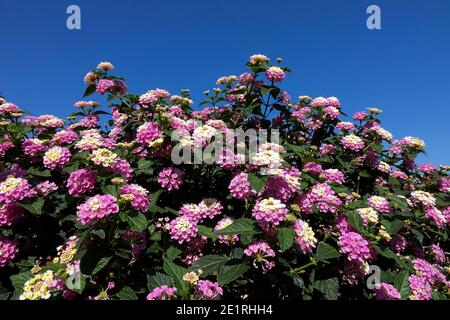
(104,157)
(38,287)
(67,253)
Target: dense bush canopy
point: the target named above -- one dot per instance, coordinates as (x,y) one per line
(99,205)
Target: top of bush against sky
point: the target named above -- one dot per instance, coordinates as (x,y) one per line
(255,195)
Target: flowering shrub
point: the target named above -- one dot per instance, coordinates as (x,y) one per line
(96,206)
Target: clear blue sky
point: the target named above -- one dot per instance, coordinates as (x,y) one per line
(404,68)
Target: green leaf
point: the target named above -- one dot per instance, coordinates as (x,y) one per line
(326,251)
(158,280)
(154,199)
(18,281)
(76,282)
(398,203)
(209,264)
(34,207)
(110,189)
(355,220)
(418,235)
(243,226)
(94,260)
(173,252)
(4,294)
(232,270)
(329,287)
(89,90)
(388,253)
(257,182)
(145,166)
(137,221)
(207,232)
(285,238)
(126,293)
(392,227)
(364,174)
(401,283)
(39,173)
(177,273)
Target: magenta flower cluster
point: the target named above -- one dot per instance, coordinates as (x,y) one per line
(97,207)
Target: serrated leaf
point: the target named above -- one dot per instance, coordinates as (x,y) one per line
(243,226)
(392,227)
(401,283)
(355,220)
(172,253)
(329,287)
(209,264)
(177,273)
(137,221)
(158,280)
(34,207)
(285,238)
(126,293)
(326,251)
(207,232)
(256,181)
(110,189)
(18,280)
(231,271)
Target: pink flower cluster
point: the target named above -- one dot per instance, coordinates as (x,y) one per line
(7,108)
(148,133)
(56,157)
(80,182)
(46,187)
(354,246)
(8,251)
(208,290)
(334,175)
(322,196)
(240,187)
(10,214)
(97,207)
(182,229)
(263,255)
(269,211)
(5,146)
(140,199)
(206,209)
(444,185)
(438,253)
(380,204)
(275,74)
(387,291)
(104,85)
(170,178)
(426,168)
(304,236)
(353,143)
(420,288)
(32,146)
(15,189)
(162,293)
(436,215)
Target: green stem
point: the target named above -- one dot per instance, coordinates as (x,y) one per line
(309,264)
